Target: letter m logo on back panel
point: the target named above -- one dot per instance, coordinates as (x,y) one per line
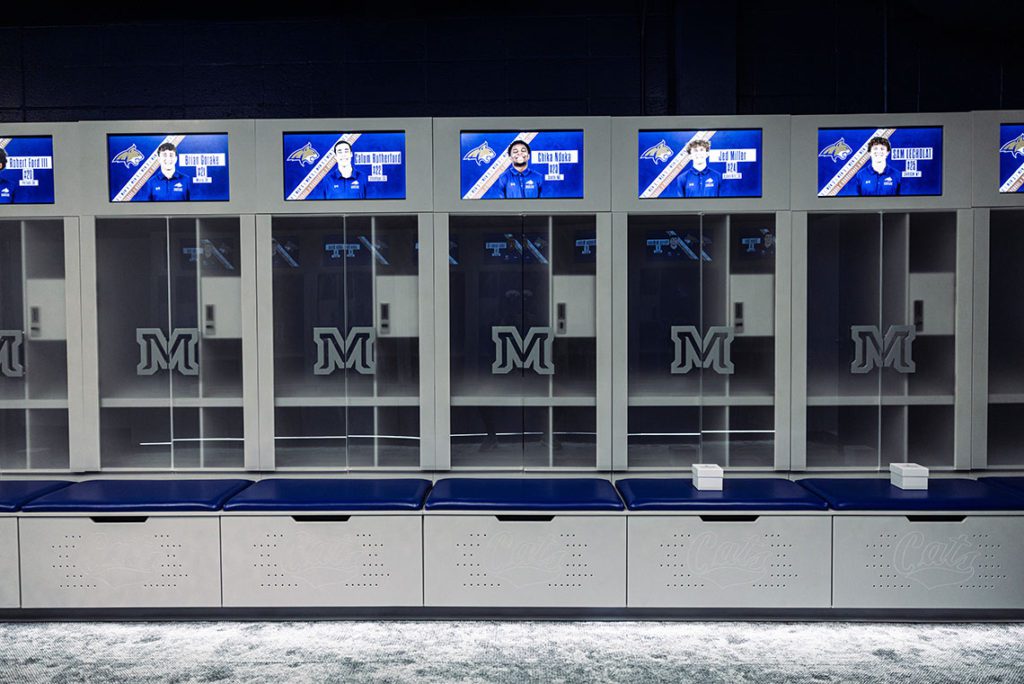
(871,350)
(335,352)
(511,350)
(179,353)
(713,351)
(10,354)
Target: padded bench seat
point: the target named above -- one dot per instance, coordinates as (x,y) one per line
(943,494)
(105,496)
(738,494)
(523,494)
(553,542)
(958,544)
(16,493)
(760,542)
(1014,483)
(331,495)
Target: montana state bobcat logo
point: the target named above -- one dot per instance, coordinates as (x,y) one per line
(481,154)
(130,157)
(1015,147)
(837,151)
(659,154)
(305,155)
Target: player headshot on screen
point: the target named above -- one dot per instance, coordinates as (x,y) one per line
(878,178)
(699,180)
(344,181)
(520,181)
(6,189)
(169,184)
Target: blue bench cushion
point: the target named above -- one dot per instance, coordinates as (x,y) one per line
(16,493)
(521,494)
(739,494)
(1014,483)
(331,495)
(877,494)
(139,495)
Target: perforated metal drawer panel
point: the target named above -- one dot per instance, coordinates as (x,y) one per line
(556,561)
(10,589)
(363,561)
(925,562)
(161,562)
(729,561)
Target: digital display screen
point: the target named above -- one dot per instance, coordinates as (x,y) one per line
(190,167)
(684,164)
(344,166)
(1011,158)
(879,162)
(26,170)
(522,165)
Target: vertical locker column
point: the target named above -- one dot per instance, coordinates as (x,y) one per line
(170,345)
(34,386)
(881,338)
(523,341)
(346,342)
(701,341)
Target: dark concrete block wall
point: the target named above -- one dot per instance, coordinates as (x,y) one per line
(572,58)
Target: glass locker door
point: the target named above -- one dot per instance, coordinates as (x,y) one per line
(170,343)
(523,341)
(701,340)
(346,342)
(33,347)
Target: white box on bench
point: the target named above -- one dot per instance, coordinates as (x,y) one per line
(524,560)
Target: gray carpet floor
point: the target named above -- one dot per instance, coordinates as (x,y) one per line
(549,652)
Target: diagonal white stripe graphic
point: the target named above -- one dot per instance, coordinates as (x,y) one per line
(673,168)
(145,171)
(853,165)
(320,169)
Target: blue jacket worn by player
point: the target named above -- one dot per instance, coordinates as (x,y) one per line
(520,181)
(878,178)
(169,184)
(344,181)
(6,189)
(700,180)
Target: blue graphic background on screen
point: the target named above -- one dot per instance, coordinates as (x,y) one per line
(557,156)
(202,166)
(28,176)
(916,158)
(1011,158)
(735,158)
(677,245)
(379,158)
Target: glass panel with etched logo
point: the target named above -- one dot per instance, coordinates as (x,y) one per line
(523,341)
(701,344)
(346,341)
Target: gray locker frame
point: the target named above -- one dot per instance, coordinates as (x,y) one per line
(419,196)
(775,148)
(441,321)
(67,179)
(956,178)
(596,165)
(94,199)
(263,405)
